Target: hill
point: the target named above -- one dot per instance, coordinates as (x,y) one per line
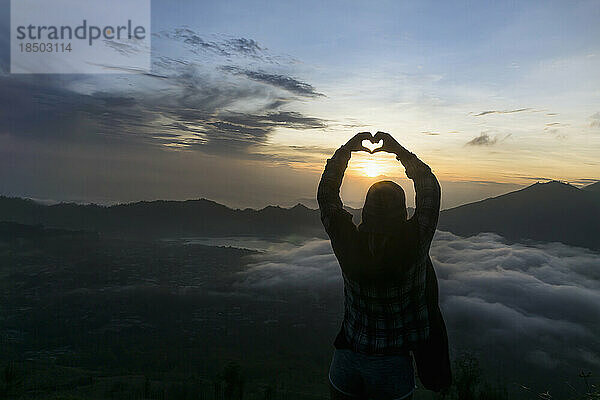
(594,187)
(165,218)
(162,218)
(12,231)
(548,212)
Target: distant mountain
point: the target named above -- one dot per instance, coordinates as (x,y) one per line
(165,218)
(594,187)
(168,218)
(551,211)
(548,212)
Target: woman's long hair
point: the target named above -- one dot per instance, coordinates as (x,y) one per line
(388,236)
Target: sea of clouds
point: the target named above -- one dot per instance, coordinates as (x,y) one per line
(522,308)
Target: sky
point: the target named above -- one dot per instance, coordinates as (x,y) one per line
(247,99)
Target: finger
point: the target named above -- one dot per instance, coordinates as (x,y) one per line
(377,150)
(359,137)
(382,135)
(363,148)
(379,136)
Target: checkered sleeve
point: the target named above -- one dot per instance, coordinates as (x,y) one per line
(428,194)
(333,216)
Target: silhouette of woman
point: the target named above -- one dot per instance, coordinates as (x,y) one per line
(390,289)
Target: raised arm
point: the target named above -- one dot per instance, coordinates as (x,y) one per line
(336,220)
(427,187)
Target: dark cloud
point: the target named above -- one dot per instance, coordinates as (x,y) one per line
(483,140)
(281,81)
(5,37)
(220,46)
(244,46)
(502,112)
(181,103)
(130,47)
(43,107)
(295,120)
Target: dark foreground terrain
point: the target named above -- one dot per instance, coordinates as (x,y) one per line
(95,318)
(88,317)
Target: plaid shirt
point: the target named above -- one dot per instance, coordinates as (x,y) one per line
(387,316)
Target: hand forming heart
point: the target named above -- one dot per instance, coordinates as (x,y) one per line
(372,145)
(364,141)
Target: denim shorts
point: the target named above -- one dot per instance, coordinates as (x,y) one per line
(379,377)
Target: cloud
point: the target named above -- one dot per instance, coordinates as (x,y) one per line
(585,181)
(523,300)
(126,48)
(245,46)
(311,265)
(532,178)
(483,140)
(502,112)
(187,102)
(221,46)
(595,120)
(535,308)
(281,81)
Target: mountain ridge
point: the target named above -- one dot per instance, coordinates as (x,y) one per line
(551,211)
(547,212)
(593,187)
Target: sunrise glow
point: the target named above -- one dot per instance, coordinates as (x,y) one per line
(372,170)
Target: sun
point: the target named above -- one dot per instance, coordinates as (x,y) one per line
(372,170)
